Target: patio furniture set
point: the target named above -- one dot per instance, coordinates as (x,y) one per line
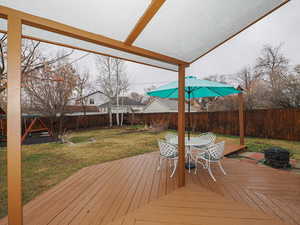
(199,150)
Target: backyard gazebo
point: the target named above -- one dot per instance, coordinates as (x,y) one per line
(168,34)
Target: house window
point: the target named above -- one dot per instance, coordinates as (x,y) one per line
(92,102)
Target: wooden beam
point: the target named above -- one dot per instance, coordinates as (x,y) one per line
(181,126)
(59,28)
(91,51)
(144,20)
(88,50)
(241,117)
(14,176)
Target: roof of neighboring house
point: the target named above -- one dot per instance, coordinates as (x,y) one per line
(170,104)
(77,108)
(123,101)
(68,109)
(90,94)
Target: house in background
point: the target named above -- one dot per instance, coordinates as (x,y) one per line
(93,99)
(77,110)
(91,104)
(126,105)
(161,105)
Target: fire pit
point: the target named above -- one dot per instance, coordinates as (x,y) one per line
(277,157)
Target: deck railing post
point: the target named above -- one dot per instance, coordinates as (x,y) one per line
(181,126)
(14,176)
(241,117)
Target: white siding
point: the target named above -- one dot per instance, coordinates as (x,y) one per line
(98,98)
(161,106)
(156,106)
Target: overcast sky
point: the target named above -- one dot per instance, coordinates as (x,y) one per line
(282,26)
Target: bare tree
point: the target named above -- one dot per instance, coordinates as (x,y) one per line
(209,103)
(270,83)
(148,98)
(273,67)
(221,78)
(297,70)
(137,97)
(49,90)
(82,88)
(227,103)
(112,80)
(32,59)
(251,83)
(292,90)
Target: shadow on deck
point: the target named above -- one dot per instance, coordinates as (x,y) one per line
(103,193)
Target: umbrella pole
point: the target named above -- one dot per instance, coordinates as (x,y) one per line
(189,114)
(189,165)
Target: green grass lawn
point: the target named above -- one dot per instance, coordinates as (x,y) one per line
(44,165)
(259,144)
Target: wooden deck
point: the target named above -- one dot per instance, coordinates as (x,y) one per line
(231,148)
(193,205)
(104,193)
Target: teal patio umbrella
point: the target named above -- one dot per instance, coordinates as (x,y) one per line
(194,88)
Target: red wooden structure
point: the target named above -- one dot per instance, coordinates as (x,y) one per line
(34,124)
(31,124)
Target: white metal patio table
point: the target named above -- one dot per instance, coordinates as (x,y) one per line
(189,142)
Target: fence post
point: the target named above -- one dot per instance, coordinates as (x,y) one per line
(241,116)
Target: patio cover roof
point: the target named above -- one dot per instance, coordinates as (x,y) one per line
(161,33)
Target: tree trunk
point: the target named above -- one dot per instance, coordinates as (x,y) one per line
(60,130)
(84,115)
(110,114)
(122,118)
(117,92)
(53,127)
(117,113)
(122,113)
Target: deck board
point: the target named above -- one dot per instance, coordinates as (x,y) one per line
(106,192)
(231,148)
(195,205)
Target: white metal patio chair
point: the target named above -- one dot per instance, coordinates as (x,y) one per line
(209,137)
(213,154)
(168,152)
(172,136)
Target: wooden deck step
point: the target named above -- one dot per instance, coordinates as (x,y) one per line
(195,205)
(231,148)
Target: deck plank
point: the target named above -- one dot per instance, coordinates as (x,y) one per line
(106,192)
(188,206)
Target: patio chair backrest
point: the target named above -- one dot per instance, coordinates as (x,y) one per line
(216,151)
(170,136)
(166,149)
(209,137)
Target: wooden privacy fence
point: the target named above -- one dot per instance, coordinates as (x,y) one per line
(269,123)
